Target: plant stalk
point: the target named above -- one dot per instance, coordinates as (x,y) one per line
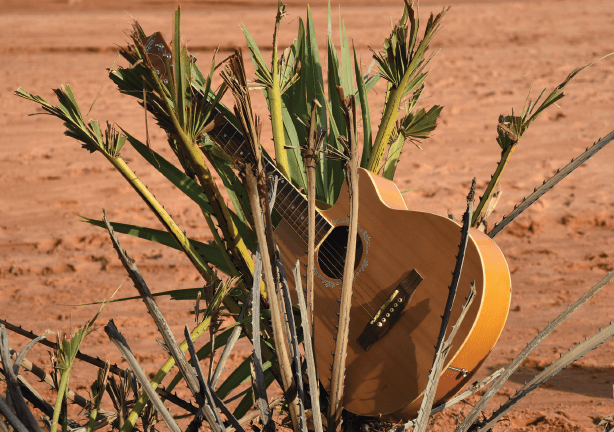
(201,266)
(389,120)
(274,95)
(338,372)
(62,387)
(138,407)
(314,387)
(276,318)
(494,180)
(310,156)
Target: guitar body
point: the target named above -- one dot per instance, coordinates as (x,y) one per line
(388,378)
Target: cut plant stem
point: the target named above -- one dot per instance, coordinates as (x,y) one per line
(121,344)
(274,96)
(310,155)
(276,318)
(338,371)
(314,387)
(156,314)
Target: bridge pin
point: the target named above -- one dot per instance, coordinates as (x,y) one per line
(400,299)
(379,324)
(391,310)
(383,320)
(396,304)
(388,315)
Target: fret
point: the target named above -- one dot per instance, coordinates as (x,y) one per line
(281,190)
(269,168)
(326,227)
(303,218)
(290,211)
(239,148)
(301,207)
(284,206)
(223,136)
(303,231)
(294,207)
(231,141)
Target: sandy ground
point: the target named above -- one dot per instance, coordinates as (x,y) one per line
(491,53)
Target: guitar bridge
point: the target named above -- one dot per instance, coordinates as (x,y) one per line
(390,312)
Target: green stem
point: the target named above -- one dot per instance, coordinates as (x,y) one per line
(58,402)
(494,180)
(92,421)
(389,119)
(203,268)
(273,93)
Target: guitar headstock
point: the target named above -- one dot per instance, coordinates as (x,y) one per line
(160,55)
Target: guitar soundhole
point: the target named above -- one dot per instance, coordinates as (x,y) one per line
(331,254)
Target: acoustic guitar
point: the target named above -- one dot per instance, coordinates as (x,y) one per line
(403,268)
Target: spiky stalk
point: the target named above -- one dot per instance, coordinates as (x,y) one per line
(509,370)
(551,182)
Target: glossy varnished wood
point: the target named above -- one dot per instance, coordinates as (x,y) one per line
(390,376)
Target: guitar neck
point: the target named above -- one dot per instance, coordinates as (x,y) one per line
(290,203)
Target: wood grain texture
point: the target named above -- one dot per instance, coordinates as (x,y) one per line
(390,376)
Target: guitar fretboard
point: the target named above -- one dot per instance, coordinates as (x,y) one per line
(289,202)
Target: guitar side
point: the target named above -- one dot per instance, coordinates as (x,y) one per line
(389,376)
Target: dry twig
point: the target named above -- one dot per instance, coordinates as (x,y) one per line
(338,372)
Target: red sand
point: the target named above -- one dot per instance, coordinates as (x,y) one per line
(491,53)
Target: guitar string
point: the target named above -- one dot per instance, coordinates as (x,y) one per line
(330,260)
(357,292)
(330,265)
(358,279)
(373,293)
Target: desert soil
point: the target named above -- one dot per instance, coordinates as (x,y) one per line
(490,55)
